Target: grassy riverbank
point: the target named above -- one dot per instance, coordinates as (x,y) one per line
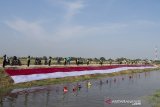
(6,83)
(155,99)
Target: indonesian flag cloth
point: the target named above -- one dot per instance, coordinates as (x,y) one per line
(31,74)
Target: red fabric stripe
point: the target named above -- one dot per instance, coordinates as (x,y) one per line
(13,72)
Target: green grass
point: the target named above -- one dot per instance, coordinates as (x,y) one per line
(155,99)
(5,80)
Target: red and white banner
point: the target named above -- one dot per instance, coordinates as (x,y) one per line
(25,75)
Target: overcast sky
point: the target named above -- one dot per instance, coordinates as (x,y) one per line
(80,28)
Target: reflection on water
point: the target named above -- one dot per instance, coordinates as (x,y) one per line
(91,93)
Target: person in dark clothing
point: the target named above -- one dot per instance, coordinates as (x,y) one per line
(101,62)
(38,61)
(58,60)
(28,61)
(65,61)
(77,61)
(45,61)
(4,60)
(87,61)
(7,60)
(49,61)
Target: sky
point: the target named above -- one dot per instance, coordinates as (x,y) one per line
(80,28)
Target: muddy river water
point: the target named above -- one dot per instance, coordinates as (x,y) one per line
(118,91)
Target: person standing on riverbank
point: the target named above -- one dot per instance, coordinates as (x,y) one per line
(28,61)
(49,61)
(101,62)
(87,61)
(65,61)
(4,60)
(77,61)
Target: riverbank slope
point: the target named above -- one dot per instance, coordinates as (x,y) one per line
(7,83)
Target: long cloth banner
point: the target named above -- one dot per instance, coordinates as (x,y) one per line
(25,75)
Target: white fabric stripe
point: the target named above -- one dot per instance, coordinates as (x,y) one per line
(26,78)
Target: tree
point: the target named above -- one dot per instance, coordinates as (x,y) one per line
(120,60)
(110,61)
(102,58)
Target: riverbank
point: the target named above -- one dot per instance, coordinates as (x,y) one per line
(6,83)
(155,99)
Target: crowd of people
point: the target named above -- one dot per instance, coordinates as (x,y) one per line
(14,61)
(47,61)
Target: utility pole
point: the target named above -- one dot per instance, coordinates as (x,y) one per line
(156,53)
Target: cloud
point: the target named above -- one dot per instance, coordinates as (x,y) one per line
(36,30)
(64,40)
(30,29)
(73,8)
(76,31)
(68,32)
(62,33)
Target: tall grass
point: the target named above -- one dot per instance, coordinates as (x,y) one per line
(155,99)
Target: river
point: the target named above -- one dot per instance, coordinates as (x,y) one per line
(119,91)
